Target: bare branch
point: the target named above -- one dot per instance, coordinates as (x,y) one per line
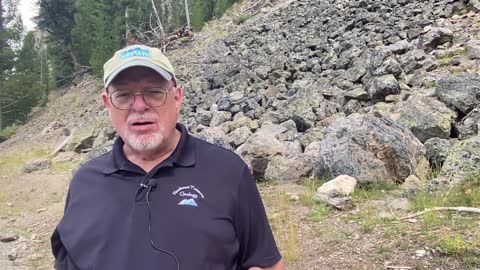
(461,209)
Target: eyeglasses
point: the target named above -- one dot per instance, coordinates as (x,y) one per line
(153,97)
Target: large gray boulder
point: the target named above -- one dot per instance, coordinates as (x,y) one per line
(239,136)
(463,161)
(437,150)
(83,137)
(473,50)
(288,169)
(475,4)
(36,165)
(370,149)
(382,86)
(308,104)
(470,124)
(437,36)
(261,145)
(214,135)
(426,117)
(461,91)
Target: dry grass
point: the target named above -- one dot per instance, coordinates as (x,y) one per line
(284,226)
(11,162)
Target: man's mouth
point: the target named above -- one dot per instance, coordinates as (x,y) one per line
(142,123)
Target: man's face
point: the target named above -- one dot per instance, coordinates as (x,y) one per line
(142,127)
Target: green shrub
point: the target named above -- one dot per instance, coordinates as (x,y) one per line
(6,133)
(241,18)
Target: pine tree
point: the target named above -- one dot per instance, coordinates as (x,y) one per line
(11,28)
(57,18)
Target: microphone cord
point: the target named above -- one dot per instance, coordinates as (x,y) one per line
(150,230)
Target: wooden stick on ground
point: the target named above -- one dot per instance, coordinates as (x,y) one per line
(461,209)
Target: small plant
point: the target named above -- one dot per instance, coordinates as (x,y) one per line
(472,261)
(7,132)
(395,230)
(453,245)
(384,251)
(368,220)
(434,171)
(445,59)
(307,197)
(241,18)
(319,212)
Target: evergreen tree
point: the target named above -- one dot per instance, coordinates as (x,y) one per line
(11,28)
(202,11)
(57,18)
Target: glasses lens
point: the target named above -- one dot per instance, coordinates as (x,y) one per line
(122,99)
(155,97)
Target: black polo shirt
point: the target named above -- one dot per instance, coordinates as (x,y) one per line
(205,210)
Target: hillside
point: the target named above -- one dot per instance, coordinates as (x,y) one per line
(387,92)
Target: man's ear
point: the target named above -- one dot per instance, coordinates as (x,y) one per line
(105,98)
(178,97)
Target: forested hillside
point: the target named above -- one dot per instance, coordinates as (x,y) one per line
(73,38)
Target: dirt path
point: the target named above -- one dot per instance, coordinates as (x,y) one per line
(30,206)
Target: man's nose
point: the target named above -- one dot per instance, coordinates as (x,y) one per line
(139,104)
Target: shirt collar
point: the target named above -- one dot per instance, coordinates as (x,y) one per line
(183,155)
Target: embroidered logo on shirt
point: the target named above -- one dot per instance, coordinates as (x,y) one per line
(191,193)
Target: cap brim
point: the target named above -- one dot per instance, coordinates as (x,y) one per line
(138,63)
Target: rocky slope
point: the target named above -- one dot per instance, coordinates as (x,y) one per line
(371,89)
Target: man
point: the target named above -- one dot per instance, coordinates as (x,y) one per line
(161,199)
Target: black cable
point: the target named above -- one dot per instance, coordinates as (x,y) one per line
(150,230)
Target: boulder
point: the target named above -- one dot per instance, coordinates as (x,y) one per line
(426,117)
(436,36)
(412,184)
(307,105)
(461,91)
(370,149)
(473,50)
(220,117)
(470,124)
(203,117)
(312,150)
(463,161)
(239,136)
(382,86)
(475,4)
(437,150)
(214,135)
(261,145)
(36,165)
(399,47)
(337,192)
(83,137)
(288,169)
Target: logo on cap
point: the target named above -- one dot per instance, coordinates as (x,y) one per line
(136,52)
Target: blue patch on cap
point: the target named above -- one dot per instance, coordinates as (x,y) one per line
(136,52)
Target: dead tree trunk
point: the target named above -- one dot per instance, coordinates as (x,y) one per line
(187,13)
(126,23)
(162,31)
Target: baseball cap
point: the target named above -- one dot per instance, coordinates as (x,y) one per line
(137,55)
